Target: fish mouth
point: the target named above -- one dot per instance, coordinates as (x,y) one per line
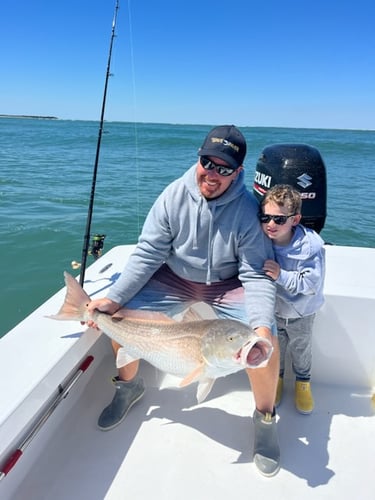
(255,353)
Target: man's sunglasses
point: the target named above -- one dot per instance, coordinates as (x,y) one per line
(208,164)
(280,220)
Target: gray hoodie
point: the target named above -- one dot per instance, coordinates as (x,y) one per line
(301,279)
(204,241)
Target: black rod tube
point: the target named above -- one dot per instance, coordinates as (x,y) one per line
(86,241)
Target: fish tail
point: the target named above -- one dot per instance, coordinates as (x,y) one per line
(76,301)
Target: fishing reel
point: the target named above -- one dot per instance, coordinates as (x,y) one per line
(95,249)
(97,244)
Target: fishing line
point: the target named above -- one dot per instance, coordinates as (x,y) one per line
(86,242)
(137,170)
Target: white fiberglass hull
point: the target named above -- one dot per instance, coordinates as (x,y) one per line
(169,447)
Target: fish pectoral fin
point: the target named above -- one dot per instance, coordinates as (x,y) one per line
(204,388)
(123,358)
(192,377)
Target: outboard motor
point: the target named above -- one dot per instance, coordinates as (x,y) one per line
(302,167)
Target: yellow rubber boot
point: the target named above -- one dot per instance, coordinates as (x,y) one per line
(303,398)
(279,391)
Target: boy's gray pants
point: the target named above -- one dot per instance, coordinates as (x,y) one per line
(296,334)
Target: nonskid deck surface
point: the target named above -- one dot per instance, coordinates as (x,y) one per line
(169,447)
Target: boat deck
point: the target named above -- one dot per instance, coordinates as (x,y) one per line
(170,448)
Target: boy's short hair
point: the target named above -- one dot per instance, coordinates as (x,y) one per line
(284,195)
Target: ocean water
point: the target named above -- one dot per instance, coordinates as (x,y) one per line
(45,184)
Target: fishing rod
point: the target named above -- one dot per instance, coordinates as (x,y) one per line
(62,394)
(98,239)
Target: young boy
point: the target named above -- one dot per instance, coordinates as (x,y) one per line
(298,271)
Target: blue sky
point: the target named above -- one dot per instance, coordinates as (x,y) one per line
(282,63)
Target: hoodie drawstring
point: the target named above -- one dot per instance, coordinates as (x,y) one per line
(199,214)
(211,211)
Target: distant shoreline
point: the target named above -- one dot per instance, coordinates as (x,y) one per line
(35,117)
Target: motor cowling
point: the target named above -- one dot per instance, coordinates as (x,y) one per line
(300,166)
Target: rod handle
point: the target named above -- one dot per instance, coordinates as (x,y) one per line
(86,363)
(13,459)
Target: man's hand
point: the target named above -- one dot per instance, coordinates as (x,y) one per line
(263,331)
(102,305)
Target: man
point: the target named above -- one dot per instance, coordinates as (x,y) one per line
(202,241)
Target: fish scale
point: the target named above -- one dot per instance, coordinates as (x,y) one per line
(176,349)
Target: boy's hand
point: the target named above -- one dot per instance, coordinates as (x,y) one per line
(272,269)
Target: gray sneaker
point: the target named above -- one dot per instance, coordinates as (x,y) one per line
(127,393)
(266,444)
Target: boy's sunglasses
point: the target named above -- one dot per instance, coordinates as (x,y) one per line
(280,220)
(208,164)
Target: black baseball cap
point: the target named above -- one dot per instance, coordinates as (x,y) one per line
(227,143)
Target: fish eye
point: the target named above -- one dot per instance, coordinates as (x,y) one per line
(231,337)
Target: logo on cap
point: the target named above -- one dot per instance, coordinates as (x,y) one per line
(225,142)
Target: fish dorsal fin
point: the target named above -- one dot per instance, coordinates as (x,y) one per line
(191,315)
(141,315)
(123,358)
